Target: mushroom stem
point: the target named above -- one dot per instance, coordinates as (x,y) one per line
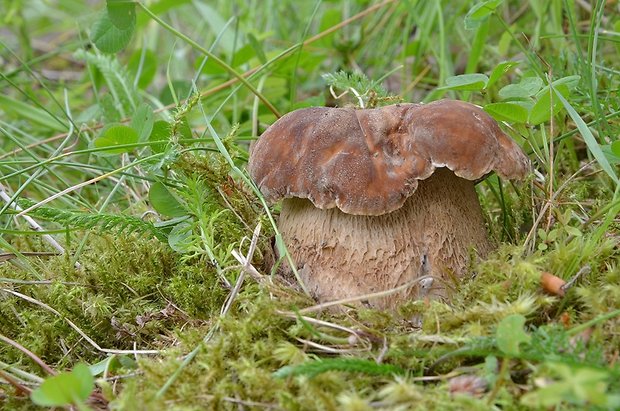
(342,255)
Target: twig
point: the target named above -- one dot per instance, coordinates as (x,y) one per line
(585,270)
(249,268)
(437,377)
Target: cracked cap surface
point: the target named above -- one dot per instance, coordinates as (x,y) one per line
(368,161)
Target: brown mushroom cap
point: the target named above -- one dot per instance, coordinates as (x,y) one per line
(367,162)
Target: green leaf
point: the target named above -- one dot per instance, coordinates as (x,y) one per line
(143,63)
(467,82)
(108,38)
(116,135)
(280,246)
(179,238)
(491,365)
(121,95)
(510,334)
(508,111)
(122,13)
(528,87)
(110,112)
(590,140)
(127,362)
(574,231)
(541,111)
(612,157)
(499,71)
(86,383)
(65,388)
(570,81)
(101,366)
(160,132)
(142,121)
(615,148)
(213,20)
(181,90)
(258,48)
(357,80)
(480,12)
(160,7)
(331,17)
(574,385)
(30,112)
(164,202)
(184,130)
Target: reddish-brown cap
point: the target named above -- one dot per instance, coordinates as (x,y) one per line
(369,161)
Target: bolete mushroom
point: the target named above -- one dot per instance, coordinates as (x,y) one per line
(375,198)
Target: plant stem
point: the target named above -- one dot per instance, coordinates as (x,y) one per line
(594,321)
(500,380)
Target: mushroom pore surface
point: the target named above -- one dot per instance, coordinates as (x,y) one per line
(342,255)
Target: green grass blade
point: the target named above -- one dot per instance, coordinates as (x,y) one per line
(589,138)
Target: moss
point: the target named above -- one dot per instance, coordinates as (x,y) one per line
(125,292)
(132,289)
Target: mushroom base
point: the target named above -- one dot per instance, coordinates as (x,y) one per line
(436,232)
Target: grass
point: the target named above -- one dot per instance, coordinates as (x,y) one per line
(127,216)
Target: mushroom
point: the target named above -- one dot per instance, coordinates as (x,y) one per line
(376,198)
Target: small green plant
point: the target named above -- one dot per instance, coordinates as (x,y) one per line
(581,386)
(366,93)
(67,388)
(510,334)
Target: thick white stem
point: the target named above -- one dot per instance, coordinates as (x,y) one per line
(341,255)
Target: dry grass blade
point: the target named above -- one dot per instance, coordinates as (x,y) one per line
(33,224)
(83,184)
(325,348)
(76,328)
(322,306)
(246,264)
(316,321)
(19,387)
(9,256)
(29,353)
(549,202)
